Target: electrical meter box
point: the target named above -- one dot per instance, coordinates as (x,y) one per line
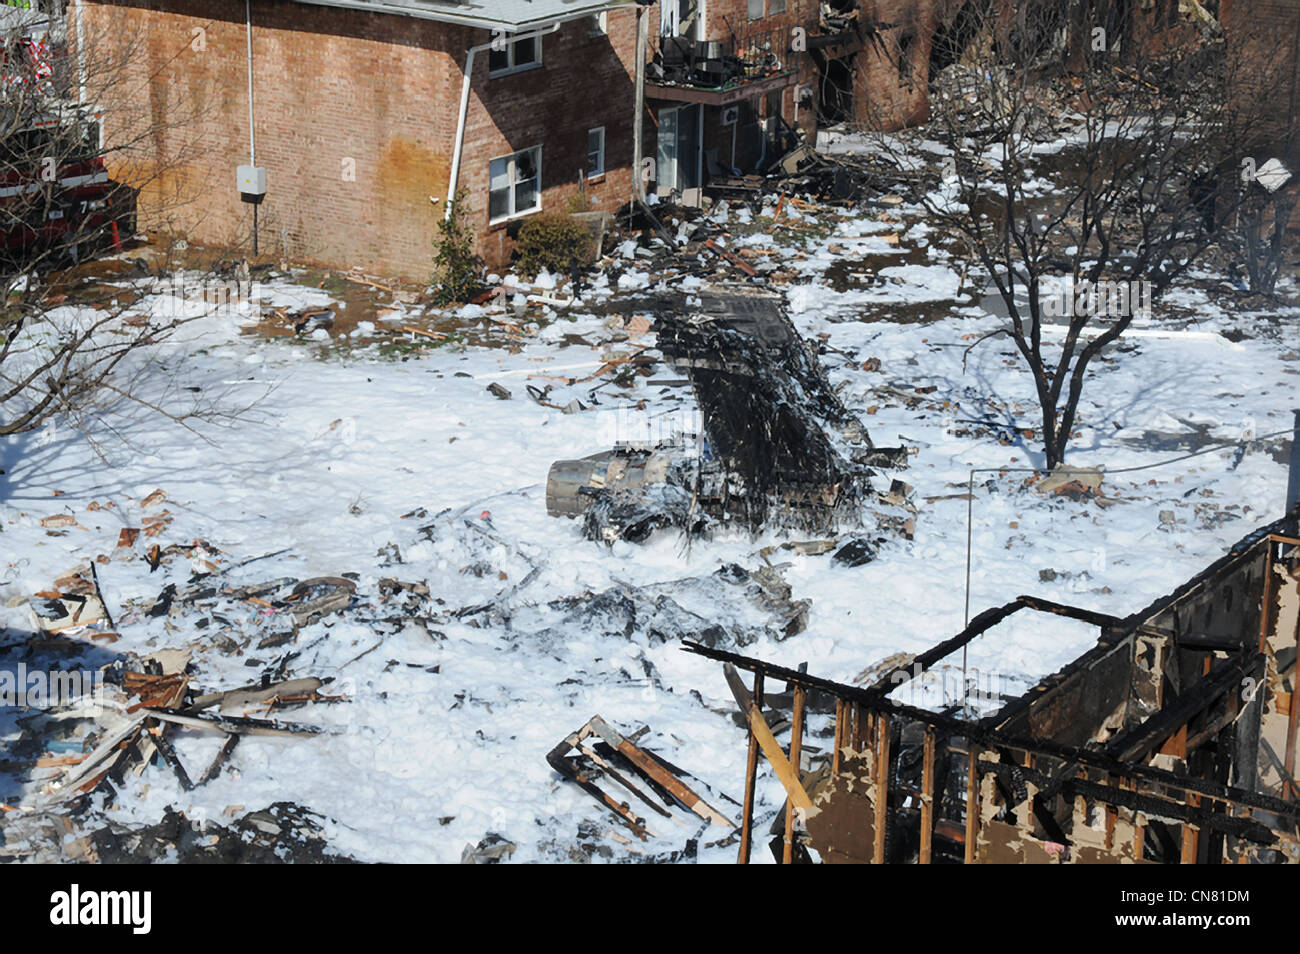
(252,182)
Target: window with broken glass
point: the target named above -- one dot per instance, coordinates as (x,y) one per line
(515,55)
(596,152)
(515,184)
(906,51)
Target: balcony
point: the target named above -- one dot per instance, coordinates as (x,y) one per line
(721,72)
(841,29)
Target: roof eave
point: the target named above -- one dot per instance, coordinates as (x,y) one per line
(481,23)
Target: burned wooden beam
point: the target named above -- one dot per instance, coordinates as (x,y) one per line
(1142,741)
(233,724)
(635,760)
(993,737)
(164,747)
(219,759)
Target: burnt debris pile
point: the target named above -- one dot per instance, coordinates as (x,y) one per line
(776,448)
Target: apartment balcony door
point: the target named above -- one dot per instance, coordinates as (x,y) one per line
(679,166)
(681,18)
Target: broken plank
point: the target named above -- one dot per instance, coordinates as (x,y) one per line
(762,733)
(731,257)
(654,771)
(235,724)
(219,759)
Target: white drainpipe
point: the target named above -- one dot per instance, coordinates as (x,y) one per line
(81,56)
(248,26)
(464,106)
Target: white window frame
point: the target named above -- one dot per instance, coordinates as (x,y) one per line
(601,171)
(510,54)
(510,159)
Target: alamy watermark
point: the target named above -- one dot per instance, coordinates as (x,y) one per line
(239,298)
(45,689)
(633,425)
(1066,298)
(949,686)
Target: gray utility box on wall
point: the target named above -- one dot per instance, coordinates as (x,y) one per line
(252,183)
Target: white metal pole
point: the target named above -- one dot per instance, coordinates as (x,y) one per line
(248,26)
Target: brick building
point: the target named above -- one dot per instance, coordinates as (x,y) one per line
(367,115)
(876,70)
(732,80)
(1272,29)
(355,114)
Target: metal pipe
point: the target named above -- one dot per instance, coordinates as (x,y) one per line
(638,121)
(248,26)
(465,85)
(81,56)
(252,136)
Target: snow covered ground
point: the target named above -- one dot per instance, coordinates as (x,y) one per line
(446,731)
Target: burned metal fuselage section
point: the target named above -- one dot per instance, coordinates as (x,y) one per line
(778,447)
(1172,740)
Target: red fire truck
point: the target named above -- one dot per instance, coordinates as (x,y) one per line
(54,189)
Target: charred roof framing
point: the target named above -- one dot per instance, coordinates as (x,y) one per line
(1160,744)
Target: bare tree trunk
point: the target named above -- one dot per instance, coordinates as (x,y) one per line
(1160,136)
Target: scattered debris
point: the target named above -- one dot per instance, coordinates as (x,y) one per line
(1072,483)
(603,754)
(493,849)
(282,833)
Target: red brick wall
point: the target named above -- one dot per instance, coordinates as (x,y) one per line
(330,85)
(585,82)
(1267,32)
(883,99)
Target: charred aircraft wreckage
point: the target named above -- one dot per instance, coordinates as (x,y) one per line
(777,447)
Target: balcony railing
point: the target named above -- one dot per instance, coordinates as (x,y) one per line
(721,64)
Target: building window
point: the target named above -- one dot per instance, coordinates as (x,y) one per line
(775,6)
(515,55)
(596,152)
(515,184)
(597,24)
(756,9)
(906,51)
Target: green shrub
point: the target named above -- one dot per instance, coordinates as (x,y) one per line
(553,241)
(456,268)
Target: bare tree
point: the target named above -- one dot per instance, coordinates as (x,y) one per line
(1140,189)
(71,346)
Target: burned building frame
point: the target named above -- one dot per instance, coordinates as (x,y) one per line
(1172,740)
